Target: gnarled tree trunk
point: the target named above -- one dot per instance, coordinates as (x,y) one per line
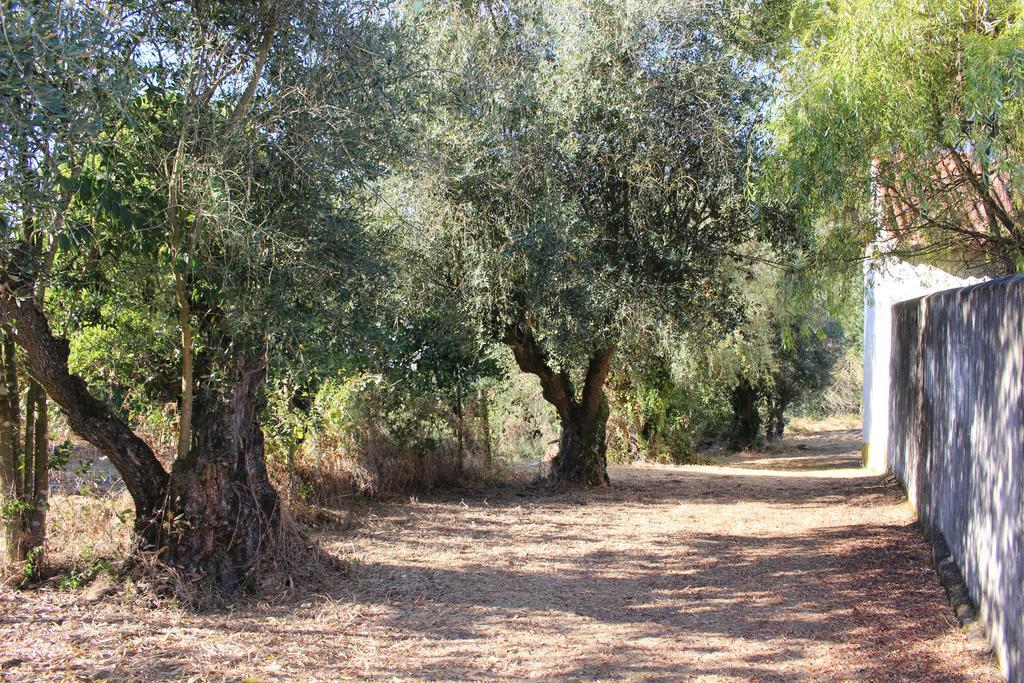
(222,510)
(746,417)
(218,511)
(582,447)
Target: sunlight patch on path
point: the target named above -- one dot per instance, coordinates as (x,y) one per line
(719,573)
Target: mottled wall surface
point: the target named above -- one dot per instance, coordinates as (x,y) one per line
(886,282)
(956,440)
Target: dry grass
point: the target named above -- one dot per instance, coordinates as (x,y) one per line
(89,538)
(336,465)
(84,528)
(83,532)
(804,426)
(757,568)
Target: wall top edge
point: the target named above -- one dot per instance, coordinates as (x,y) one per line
(1010,281)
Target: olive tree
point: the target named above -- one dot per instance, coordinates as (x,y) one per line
(581,175)
(223,178)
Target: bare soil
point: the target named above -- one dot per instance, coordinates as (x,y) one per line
(786,565)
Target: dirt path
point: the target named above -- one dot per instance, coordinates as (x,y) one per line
(791,566)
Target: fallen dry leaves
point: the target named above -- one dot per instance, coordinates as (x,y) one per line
(791,565)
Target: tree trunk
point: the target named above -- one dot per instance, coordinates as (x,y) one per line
(29,442)
(187,379)
(11,478)
(460,428)
(746,418)
(222,510)
(35,516)
(47,358)
(582,449)
(485,423)
(775,423)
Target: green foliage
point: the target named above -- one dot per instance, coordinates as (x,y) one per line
(366,435)
(883,91)
(81,575)
(265,209)
(32,564)
(797,325)
(573,177)
(806,360)
(656,416)
(61,70)
(128,358)
(14,507)
(525,425)
(347,406)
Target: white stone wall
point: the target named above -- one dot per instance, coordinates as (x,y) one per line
(887,281)
(956,441)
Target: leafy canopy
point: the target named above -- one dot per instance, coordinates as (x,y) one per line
(580,170)
(903,84)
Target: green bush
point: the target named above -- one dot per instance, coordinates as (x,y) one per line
(364,435)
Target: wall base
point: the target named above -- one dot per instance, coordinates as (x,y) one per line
(873,458)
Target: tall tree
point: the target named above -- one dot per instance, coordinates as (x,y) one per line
(582,169)
(785,348)
(222,179)
(50,92)
(917,103)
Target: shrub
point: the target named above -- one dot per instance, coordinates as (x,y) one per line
(364,436)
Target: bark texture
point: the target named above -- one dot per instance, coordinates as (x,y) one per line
(582,450)
(11,479)
(223,513)
(37,453)
(582,446)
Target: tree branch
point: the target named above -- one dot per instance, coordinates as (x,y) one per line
(530,357)
(992,207)
(90,418)
(262,57)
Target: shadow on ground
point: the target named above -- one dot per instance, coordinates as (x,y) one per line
(788,564)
